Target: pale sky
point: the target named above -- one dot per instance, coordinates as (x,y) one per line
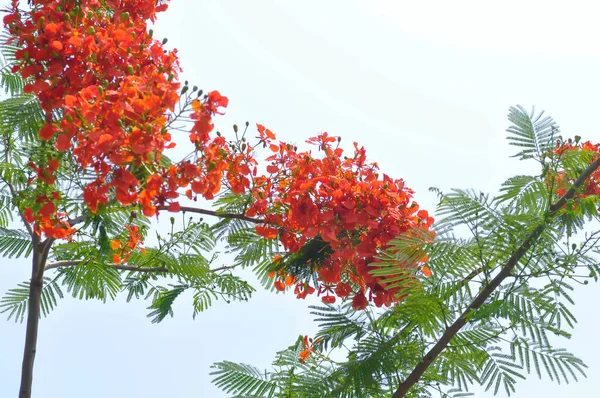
(424,85)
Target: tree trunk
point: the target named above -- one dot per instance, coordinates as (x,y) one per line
(40,253)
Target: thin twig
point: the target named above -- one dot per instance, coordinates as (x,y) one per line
(224,267)
(122,267)
(215,214)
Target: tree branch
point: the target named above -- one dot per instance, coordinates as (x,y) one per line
(122,267)
(485,293)
(74,263)
(215,214)
(83,218)
(77,220)
(223,268)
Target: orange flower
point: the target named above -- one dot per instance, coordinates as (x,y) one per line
(303,289)
(56,45)
(304,355)
(308,348)
(279,285)
(266,232)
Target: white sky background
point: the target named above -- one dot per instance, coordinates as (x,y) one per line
(423,85)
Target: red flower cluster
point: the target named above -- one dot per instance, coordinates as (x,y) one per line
(96,63)
(109,90)
(563,181)
(342,201)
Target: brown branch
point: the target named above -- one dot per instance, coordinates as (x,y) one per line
(77,220)
(74,263)
(485,293)
(224,267)
(216,214)
(122,267)
(40,255)
(82,218)
(472,275)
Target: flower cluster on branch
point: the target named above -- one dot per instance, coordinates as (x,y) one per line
(563,180)
(109,91)
(340,201)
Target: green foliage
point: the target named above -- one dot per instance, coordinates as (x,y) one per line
(91,280)
(336,325)
(179,260)
(354,354)
(22,113)
(15,243)
(163,302)
(243,380)
(241,238)
(533,133)
(512,334)
(16,300)
(11,82)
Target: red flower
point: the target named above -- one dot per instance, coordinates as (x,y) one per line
(359,302)
(174,207)
(266,232)
(28,215)
(343,290)
(303,289)
(279,285)
(47,132)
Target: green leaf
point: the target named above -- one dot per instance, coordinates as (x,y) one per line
(533,133)
(15,243)
(16,300)
(163,303)
(242,380)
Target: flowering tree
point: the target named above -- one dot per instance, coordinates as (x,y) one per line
(93,126)
(93,115)
(496,302)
